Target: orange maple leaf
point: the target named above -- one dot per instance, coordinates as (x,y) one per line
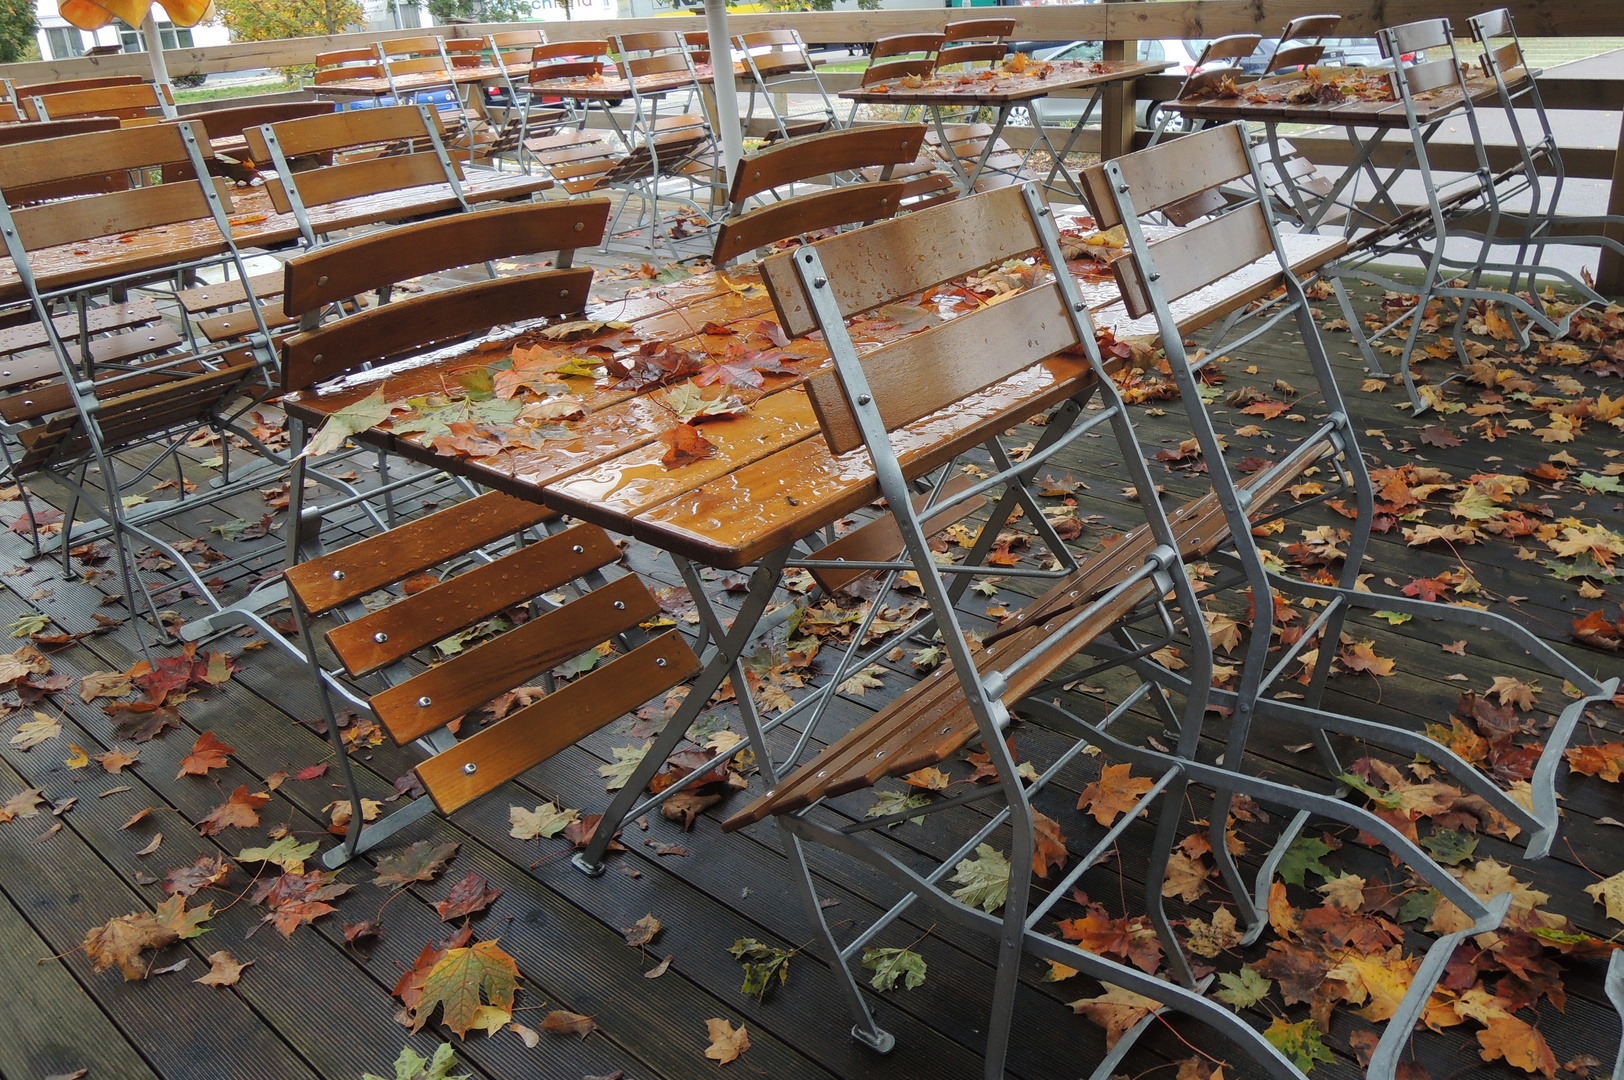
(207,753)
(1114,793)
(1362,657)
(1520,1044)
(1050,846)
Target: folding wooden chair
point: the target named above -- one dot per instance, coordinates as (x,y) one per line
(511,53)
(1453,211)
(1139,582)
(968,43)
(416,703)
(1301,43)
(898,56)
(129,392)
(1153,277)
(371,151)
(555,133)
(783,164)
(777,67)
(1538,177)
(1217,63)
(341,64)
(23,92)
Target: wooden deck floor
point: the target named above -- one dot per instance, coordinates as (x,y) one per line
(311,1006)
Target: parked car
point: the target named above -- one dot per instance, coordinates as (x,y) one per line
(1065,111)
(1339,52)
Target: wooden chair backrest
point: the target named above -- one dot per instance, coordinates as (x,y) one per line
(1431,75)
(460,48)
(517,39)
(344,64)
(1230,47)
(978,29)
(907,44)
(571,50)
(412,46)
(1194,257)
(793,160)
(566,69)
(897,69)
(65,85)
(333,272)
(1491,24)
(1298,56)
(775,52)
(127,101)
(1414,37)
(931,370)
(802,214)
(645,67)
(1304,27)
(494,754)
(34,165)
(393,127)
(653,41)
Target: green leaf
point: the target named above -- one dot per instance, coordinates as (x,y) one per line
(928,657)
(479,385)
(1385,799)
(433,416)
(31,623)
(983,880)
(579,368)
(1419,905)
(889,965)
(1395,618)
(1300,1042)
(1450,847)
(231,530)
(627,758)
(413,1066)
(369,412)
(582,664)
(1606,485)
(761,963)
(1244,990)
(1303,856)
(1585,565)
(895,802)
(1209,393)
(690,403)
(671,273)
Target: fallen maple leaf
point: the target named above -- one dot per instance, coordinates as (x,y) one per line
(420,862)
(1114,793)
(240,811)
(122,940)
(1520,1044)
(644,932)
(561,1022)
(1605,760)
(33,732)
(223,970)
(1362,657)
(726,1042)
(207,753)
(1049,848)
(294,899)
(685,445)
(459,980)
(1117,1010)
(100,684)
(208,870)
(546,820)
(471,894)
(25,804)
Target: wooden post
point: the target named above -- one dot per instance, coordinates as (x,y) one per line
(1117,102)
(1610,268)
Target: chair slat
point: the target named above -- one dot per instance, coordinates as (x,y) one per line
(368,565)
(1431,75)
(472,678)
(338,131)
(73,220)
(390,329)
(974,29)
(1196,257)
(927,371)
(1295,57)
(830,152)
(355,179)
(426,617)
(913,253)
(27,164)
(532,735)
(1416,36)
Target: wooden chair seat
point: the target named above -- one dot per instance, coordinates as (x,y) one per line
(429,699)
(102,320)
(932,721)
(42,363)
(229,293)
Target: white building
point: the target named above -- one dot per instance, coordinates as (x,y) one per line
(58,40)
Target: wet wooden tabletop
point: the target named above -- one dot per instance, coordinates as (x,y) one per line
(1000,85)
(1265,100)
(595,451)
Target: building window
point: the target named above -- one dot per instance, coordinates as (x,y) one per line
(64,41)
(173,37)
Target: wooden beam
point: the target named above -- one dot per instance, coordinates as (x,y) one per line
(1122,20)
(1610,268)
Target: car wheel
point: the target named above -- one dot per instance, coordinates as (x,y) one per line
(1176,123)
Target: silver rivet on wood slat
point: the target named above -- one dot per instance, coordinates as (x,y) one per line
(879,753)
(578,549)
(660,662)
(470,768)
(424,702)
(863,399)
(380,637)
(338,575)
(322,280)
(620,605)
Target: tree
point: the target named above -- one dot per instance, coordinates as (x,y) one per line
(267,20)
(480,10)
(17,29)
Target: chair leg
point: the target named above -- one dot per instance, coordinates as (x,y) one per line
(863,1027)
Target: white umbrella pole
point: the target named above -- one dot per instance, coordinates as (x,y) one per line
(727,95)
(155,51)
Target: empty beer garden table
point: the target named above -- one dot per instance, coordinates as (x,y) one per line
(589,418)
(1360,101)
(1014,84)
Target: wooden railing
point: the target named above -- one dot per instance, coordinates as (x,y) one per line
(1118,23)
